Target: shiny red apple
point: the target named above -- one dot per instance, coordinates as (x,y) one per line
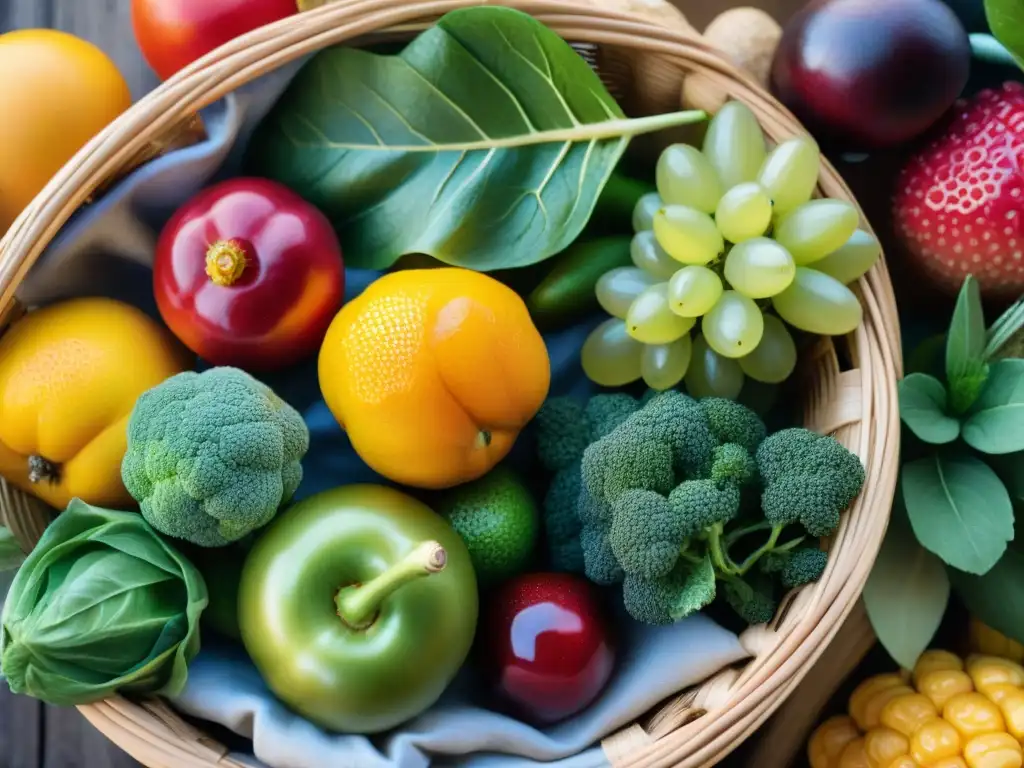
(548,645)
(867,74)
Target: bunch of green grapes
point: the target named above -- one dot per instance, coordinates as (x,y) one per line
(728,251)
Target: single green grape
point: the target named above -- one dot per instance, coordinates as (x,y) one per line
(650,319)
(685,177)
(710,374)
(651,257)
(815,229)
(734,326)
(694,290)
(734,144)
(853,259)
(688,235)
(611,357)
(759,268)
(617,288)
(643,212)
(790,173)
(745,211)
(775,357)
(662,366)
(818,303)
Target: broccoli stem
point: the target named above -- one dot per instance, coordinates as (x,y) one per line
(738,534)
(719,554)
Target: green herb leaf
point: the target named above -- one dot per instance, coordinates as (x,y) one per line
(996,424)
(485,143)
(966,370)
(923,409)
(997,597)
(1010,468)
(906,593)
(11,553)
(698,591)
(959,509)
(1006,21)
(1005,333)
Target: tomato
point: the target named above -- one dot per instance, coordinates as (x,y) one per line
(174,33)
(248,274)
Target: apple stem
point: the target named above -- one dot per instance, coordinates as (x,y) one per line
(226,260)
(358,605)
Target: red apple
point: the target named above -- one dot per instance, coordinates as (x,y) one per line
(549,649)
(866,74)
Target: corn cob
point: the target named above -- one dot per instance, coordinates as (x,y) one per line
(948,712)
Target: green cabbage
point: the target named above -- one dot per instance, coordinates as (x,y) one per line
(101,605)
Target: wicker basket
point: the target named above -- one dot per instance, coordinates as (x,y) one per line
(644,63)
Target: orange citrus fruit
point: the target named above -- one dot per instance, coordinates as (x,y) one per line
(433,373)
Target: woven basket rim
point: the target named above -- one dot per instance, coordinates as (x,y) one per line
(735,702)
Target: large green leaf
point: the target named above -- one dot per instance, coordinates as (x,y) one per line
(996,423)
(965,348)
(959,509)
(1006,20)
(923,409)
(996,597)
(485,143)
(906,593)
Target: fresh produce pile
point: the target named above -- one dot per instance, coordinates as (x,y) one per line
(179,476)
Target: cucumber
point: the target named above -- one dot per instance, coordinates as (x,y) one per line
(567,292)
(613,212)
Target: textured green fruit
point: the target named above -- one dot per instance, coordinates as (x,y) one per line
(497,518)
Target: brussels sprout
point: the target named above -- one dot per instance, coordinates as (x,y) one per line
(101,605)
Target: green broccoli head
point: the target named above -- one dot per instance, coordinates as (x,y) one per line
(646,533)
(677,420)
(732,463)
(561,523)
(684,590)
(212,456)
(808,478)
(600,564)
(754,606)
(731,422)
(804,566)
(607,411)
(562,433)
(630,457)
(699,504)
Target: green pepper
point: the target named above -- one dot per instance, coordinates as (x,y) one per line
(358,606)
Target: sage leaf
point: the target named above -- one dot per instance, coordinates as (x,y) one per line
(484,143)
(698,589)
(923,409)
(996,423)
(959,509)
(996,597)
(1006,21)
(906,592)
(965,348)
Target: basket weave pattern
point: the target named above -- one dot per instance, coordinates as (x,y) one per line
(644,64)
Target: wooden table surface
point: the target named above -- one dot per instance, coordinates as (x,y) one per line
(33,735)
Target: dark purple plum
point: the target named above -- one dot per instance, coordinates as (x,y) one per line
(869,74)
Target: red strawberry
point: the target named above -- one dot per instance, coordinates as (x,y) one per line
(959,203)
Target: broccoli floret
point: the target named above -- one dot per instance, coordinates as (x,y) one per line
(677,421)
(630,457)
(605,412)
(561,523)
(600,565)
(700,504)
(665,600)
(646,533)
(808,478)
(212,456)
(731,422)
(754,606)
(732,462)
(562,433)
(804,566)
(592,510)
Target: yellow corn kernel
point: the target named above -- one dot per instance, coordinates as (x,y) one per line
(935,740)
(991,670)
(943,684)
(993,750)
(853,755)
(871,714)
(1011,703)
(867,690)
(973,714)
(984,639)
(931,661)
(905,713)
(998,691)
(829,739)
(904,761)
(950,762)
(883,745)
